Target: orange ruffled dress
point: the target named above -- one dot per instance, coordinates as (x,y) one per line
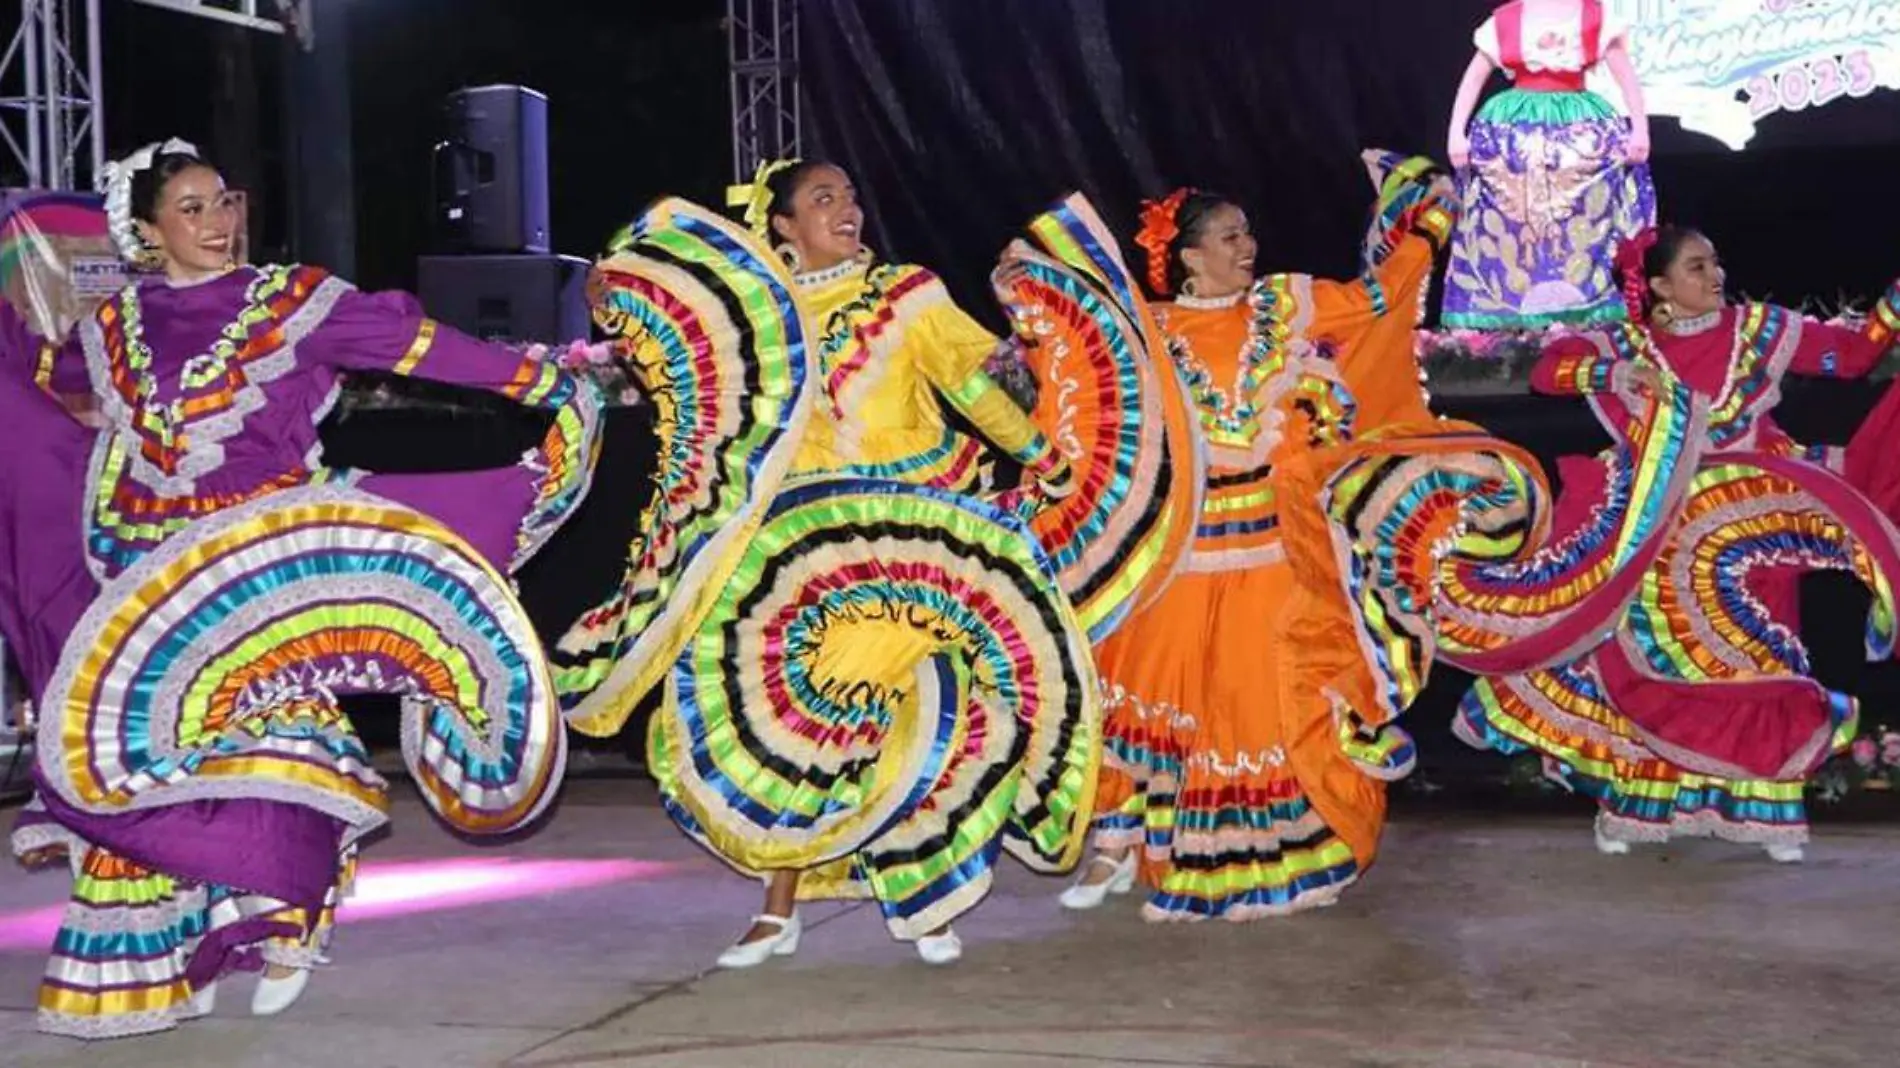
(1243,802)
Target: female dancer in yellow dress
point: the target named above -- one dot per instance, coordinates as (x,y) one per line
(894,343)
(873,681)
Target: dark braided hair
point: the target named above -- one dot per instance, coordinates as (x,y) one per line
(1658,257)
(784,184)
(1191,223)
(148,185)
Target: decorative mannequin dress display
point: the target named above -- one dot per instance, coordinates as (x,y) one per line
(1552,177)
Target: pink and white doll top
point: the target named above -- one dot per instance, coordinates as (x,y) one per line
(1543,38)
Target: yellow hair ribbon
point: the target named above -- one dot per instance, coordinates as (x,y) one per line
(756,197)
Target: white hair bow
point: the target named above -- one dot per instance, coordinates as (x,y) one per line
(115,181)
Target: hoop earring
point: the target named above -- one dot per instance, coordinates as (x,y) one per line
(1188,288)
(789,255)
(1663,314)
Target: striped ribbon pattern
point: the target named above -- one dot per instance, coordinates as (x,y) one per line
(707,314)
(889,689)
(1121,419)
(210,669)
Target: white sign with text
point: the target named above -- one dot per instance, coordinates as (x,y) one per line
(1721,67)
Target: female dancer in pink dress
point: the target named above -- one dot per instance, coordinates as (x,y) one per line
(1692,712)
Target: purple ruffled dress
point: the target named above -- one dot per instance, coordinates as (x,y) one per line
(212,395)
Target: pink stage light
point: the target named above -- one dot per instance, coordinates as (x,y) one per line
(399,888)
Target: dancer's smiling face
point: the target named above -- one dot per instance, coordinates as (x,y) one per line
(820,218)
(1219,259)
(191,221)
(1693,281)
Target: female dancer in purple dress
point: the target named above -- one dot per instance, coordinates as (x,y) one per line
(189,588)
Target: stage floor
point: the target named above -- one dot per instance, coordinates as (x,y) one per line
(1503,943)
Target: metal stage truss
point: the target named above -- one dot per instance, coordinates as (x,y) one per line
(762,36)
(52,122)
(52,109)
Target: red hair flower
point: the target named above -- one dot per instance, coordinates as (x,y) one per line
(1629,263)
(1159,228)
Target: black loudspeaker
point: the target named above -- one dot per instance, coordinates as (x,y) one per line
(491,172)
(514,298)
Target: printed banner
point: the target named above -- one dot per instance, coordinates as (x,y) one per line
(57,262)
(1722,67)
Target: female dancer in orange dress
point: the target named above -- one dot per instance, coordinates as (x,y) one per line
(1244,805)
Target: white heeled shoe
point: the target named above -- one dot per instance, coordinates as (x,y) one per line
(1086,895)
(753,954)
(204,999)
(1610,847)
(275,995)
(945,948)
(1785,854)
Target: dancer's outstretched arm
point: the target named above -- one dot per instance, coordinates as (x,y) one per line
(1829,351)
(954,349)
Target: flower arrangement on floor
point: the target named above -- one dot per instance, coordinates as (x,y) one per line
(1871,763)
(597,360)
(1464,361)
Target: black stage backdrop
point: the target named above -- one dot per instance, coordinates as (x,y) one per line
(962,118)
(636,110)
